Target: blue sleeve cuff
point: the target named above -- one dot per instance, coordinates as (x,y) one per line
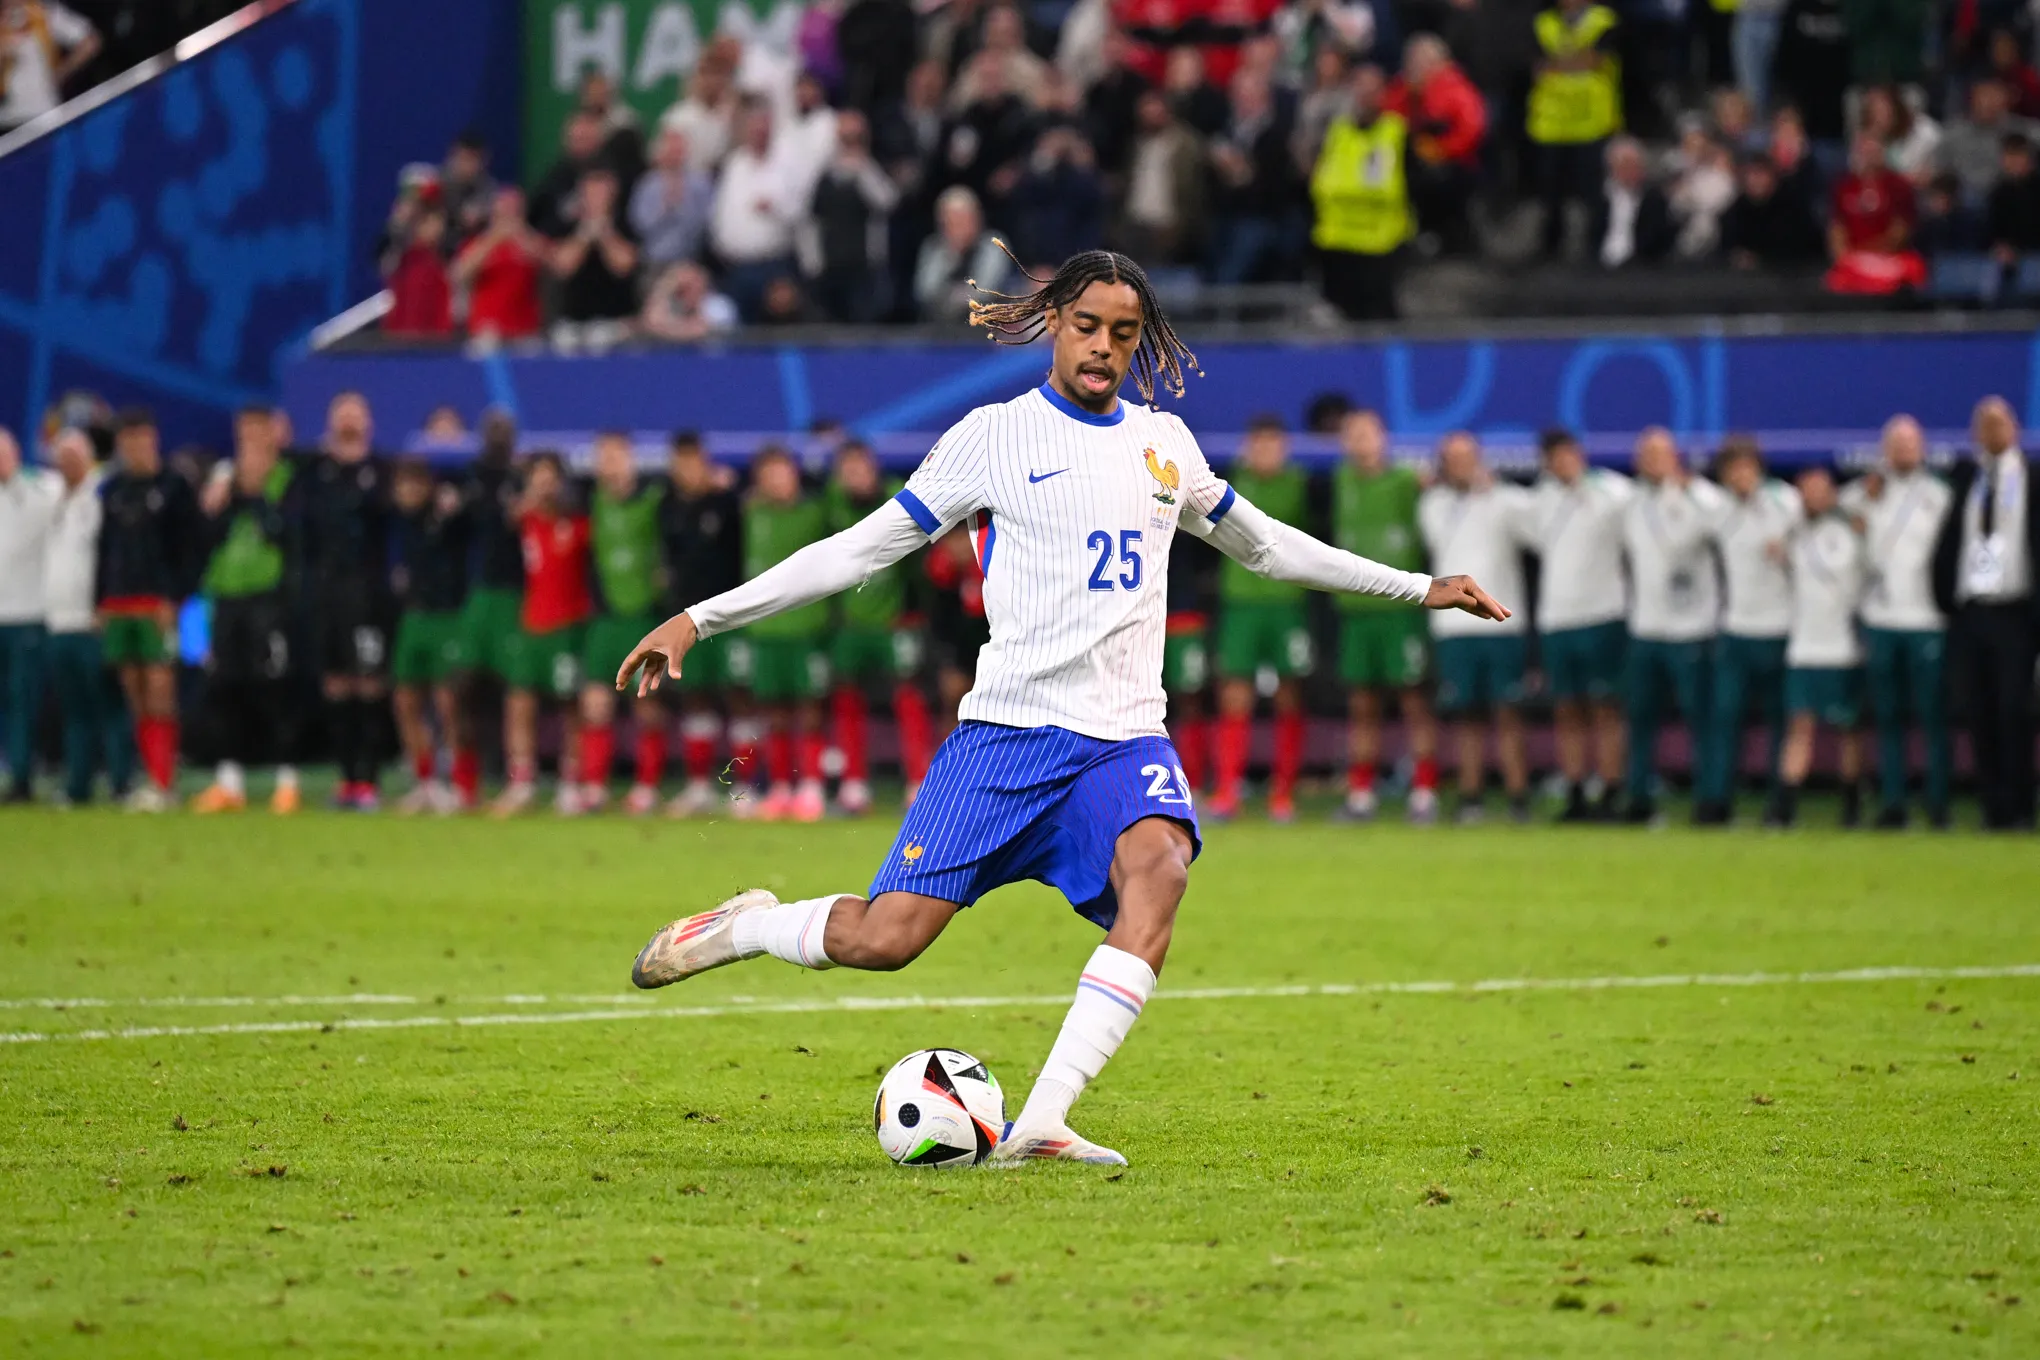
(921,514)
(1218,512)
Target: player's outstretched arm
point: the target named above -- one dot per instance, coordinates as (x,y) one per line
(816,572)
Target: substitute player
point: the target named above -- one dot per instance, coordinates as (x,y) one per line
(1381,647)
(701,531)
(1060,771)
(783,662)
(489,638)
(557,602)
(877,644)
(630,579)
(431,545)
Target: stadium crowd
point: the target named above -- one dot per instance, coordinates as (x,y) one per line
(353,595)
(1255,141)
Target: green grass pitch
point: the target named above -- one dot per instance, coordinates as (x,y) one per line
(1842,1167)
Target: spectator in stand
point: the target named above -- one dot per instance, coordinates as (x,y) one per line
(1812,69)
(2008,63)
(623,141)
(1327,96)
(1887,40)
(1765,228)
(1870,232)
(596,263)
(684,306)
(1911,139)
(852,200)
(1448,125)
(1734,120)
(1258,194)
(414,269)
(960,250)
(1701,193)
(2012,218)
(809,137)
(1791,156)
(1002,64)
(1199,103)
(1575,107)
(466,188)
(1632,221)
(870,37)
(1080,43)
(909,139)
(707,116)
(1947,224)
(784,304)
(1358,28)
(499,269)
(1162,217)
(42,45)
(993,131)
(1971,148)
(756,210)
(580,151)
(1058,201)
(1754,43)
(28,504)
(1363,203)
(1110,101)
(669,208)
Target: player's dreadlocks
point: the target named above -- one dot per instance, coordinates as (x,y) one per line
(1015,319)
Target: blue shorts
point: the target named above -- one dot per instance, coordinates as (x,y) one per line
(1003,804)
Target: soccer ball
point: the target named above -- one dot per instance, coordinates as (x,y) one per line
(939,1107)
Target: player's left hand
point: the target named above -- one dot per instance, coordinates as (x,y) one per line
(657,655)
(1463,592)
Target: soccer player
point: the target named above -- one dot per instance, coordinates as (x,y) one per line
(956,619)
(95,721)
(1382,649)
(1262,633)
(701,528)
(876,643)
(546,663)
(630,579)
(1575,528)
(345,494)
(1186,656)
(1829,566)
(1673,606)
(429,579)
(782,663)
(1902,506)
(248,577)
(489,636)
(1060,770)
(1469,519)
(149,545)
(1749,656)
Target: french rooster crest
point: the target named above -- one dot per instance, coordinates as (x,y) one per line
(1166,474)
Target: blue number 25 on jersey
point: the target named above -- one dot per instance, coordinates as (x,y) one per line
(1100,542)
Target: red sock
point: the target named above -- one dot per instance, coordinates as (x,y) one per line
(1192,747)
(651,754)
(1230,757)
(1288,755)
(779,757)
(424,765)
(157,740)
(811,746)
(851,722)
(1360,776)
(598,752)
(467,774)
(524,772)
(697,746)
(910,711)
(1427,772)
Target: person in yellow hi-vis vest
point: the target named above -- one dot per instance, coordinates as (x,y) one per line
(1575,106)
(1361,194)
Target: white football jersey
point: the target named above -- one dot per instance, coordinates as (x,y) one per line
(1071,516)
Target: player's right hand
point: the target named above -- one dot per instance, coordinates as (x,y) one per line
(657,655)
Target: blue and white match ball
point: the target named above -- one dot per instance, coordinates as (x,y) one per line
(939,1107)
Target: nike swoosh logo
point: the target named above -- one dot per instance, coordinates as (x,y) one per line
(1044,476)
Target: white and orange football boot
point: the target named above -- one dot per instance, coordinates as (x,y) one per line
(1049,1144)
(695,944)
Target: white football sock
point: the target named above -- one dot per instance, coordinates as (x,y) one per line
(1110,994)
(792,931)
(230,779)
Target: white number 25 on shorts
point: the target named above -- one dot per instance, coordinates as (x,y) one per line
(1167,784)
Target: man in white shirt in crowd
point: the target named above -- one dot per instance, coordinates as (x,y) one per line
(1823,656)
(42,45)
(1984,565)
(1473,523)
(1674,604)
(1575,528)
(1901,506)
(1749,655)
(95,718)
(28,498)
(757,206)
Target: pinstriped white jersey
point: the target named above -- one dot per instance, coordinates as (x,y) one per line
(1072,516)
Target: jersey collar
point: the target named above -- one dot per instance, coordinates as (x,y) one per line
(1076,412)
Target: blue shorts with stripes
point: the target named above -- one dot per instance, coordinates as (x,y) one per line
(1003,804)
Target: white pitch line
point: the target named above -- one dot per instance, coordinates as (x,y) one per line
(840,1005)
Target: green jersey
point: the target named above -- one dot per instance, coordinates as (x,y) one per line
(773,533)
(879,602)
(250,557)
(624,537)
(1377,517)
(1280,497)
